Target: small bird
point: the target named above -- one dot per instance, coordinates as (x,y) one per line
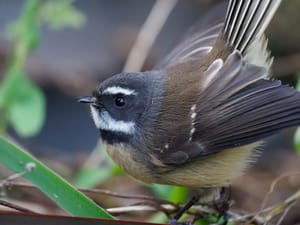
(197,118)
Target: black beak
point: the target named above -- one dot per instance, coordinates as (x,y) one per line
(87,99)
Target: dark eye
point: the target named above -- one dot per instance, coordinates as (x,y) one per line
(120,101)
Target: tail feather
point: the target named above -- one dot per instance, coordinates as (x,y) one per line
(246,21)
(258,54)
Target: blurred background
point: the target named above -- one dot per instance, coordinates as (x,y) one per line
(80,43)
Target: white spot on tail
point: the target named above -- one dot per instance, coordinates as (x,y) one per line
(258,54)
(118,90)
(104,121)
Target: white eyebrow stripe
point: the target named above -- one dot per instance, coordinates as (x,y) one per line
(104,121)
(118,90)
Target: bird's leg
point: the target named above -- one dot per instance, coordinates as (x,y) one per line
(222,204)
(219,197)
(186,207)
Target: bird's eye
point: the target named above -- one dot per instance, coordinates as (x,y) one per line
(120,101)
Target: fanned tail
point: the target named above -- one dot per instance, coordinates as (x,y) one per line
(247,20)
(243,30)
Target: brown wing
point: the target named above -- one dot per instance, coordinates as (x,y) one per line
(236,107)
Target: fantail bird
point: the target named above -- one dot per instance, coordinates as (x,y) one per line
(196,119)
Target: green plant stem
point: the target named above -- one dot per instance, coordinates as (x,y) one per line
(24,42)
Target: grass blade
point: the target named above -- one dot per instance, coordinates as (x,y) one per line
(54,186)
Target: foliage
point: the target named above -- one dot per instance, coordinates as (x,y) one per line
(55,187)
(22,103)
(59,14)
(89,175)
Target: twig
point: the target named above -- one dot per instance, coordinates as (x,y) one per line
(16,207)
(273,185)
(148,33)
(29,167)
(285,212)
(264,216)
(103,192)
(128,196)
(281,207)
(139,208)
(292,198)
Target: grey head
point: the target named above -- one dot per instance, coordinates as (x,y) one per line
(123,107)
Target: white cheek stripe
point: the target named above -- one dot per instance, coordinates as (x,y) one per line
(118,90)
(105,122)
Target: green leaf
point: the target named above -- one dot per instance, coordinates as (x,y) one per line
(178,194)
(297,140)
(27,112)
(162,191)
(298,83)
(202,221)
(24,103)
(54,186)
(90,177)
(8,87)
(60,14)
(170,193)
(158,218)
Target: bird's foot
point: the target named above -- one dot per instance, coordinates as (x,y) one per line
(223,204)
(186,207)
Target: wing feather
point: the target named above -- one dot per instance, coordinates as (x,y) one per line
(237,107)
(244,108)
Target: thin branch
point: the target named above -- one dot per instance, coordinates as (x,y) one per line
(16,207)
(128,196)
(29,167)
(148,33)
(152,204)
(285,212)
(101,191)
(281,207)
(273,185)
(139,208)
